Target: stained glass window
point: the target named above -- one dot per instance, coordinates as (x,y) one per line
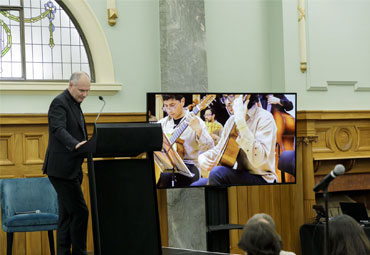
(39,40)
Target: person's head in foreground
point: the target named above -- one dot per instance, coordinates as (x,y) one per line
(260,238)
(347,237)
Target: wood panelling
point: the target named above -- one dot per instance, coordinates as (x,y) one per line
(283,202)
(324,138)
(6,149)
(33,148)
(364,142)
(23,143)
(343,138)
(162,210)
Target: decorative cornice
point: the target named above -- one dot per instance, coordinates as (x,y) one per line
(332,115)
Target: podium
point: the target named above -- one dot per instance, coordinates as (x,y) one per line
(122,190)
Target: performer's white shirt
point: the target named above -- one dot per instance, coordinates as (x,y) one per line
(192,145)
(257,141)
(286,253)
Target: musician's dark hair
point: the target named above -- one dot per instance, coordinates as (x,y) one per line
(212,110)
(347,237)
(172,96)
(252,100)
(260,238)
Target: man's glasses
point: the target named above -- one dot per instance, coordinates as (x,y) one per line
(225,97)
(172,107)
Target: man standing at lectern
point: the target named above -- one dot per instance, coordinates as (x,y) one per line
(67,132)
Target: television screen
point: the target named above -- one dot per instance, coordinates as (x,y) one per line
(219,139)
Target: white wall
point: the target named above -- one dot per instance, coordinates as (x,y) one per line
(338,50)
(251,45)
(238,45)
(134,45)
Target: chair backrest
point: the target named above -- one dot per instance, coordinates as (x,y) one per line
(27,194)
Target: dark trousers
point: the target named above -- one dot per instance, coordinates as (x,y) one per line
(179,180)
(73,216)
(224,175)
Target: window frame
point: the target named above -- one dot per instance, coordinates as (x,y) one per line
(97,50)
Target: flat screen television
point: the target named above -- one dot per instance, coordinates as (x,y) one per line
(224,139)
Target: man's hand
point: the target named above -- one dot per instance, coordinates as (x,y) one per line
(205,163)
(240,109)
(215,138)
(194,123)
(273,100)
(80,144)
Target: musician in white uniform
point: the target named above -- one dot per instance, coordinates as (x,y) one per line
(256,140)
(195,139)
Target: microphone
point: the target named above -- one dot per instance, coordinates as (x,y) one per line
(28,212)
(338,170)
(102,99)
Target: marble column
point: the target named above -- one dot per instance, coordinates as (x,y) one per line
(184,69)
(186,218)
(183,46)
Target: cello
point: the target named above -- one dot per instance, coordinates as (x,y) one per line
(285,124)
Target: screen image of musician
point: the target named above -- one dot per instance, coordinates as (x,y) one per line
(246,151)
(213,126)
(279,105)
(184,136)
(239,142)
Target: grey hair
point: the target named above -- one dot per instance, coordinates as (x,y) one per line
(262,217)
(76,76)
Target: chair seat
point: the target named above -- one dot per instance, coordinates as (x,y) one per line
(28,222)
(287,162)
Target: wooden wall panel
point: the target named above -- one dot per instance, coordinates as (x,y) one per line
(347,142)
(23,143)
(34,148)
(364,139)
(324,138)
(19,244)
(162,210)
(277,200)
(34,243)
(7,149)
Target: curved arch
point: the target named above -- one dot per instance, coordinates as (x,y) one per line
(95,36)
(100,52)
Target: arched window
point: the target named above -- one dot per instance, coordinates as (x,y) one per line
(40,40)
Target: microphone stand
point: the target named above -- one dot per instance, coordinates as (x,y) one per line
(326,197)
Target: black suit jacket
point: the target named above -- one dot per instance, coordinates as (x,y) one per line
(66,130)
